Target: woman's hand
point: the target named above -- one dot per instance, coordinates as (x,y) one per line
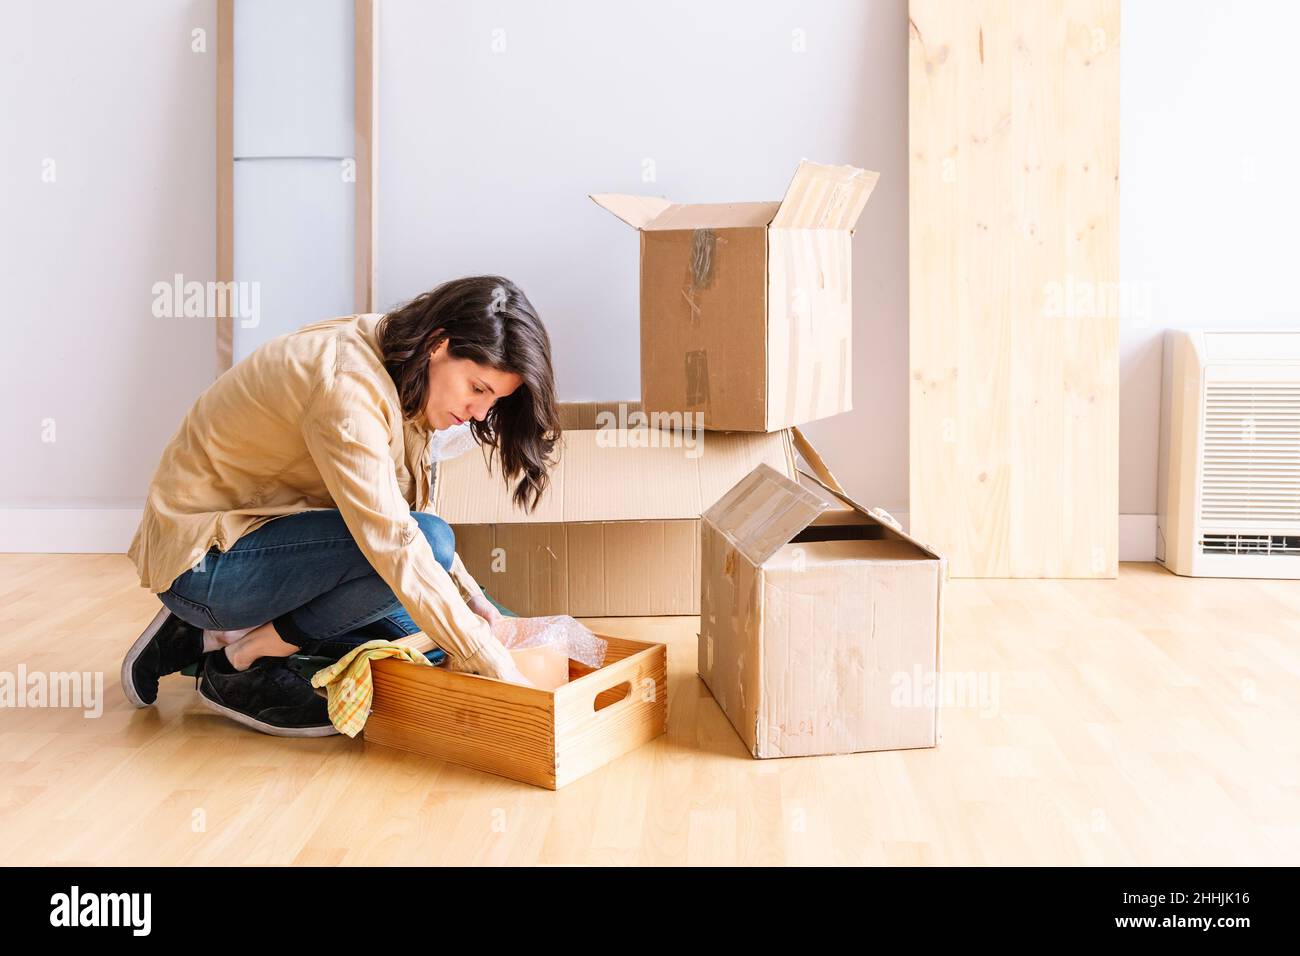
(492,660)
(515,676)
(507,670)
(484,608)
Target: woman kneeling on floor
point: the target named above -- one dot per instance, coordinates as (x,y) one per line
(288,512)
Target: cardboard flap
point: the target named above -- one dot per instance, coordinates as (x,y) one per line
(764,511)
(722,215)
(825,197)
(636,211)
(875,514)
(810,454)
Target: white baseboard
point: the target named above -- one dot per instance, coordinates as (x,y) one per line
(1137,537)
(67,530)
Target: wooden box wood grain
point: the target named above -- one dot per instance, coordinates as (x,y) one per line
(546,738)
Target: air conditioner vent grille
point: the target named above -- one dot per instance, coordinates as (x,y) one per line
(1251,465)
(1251,544)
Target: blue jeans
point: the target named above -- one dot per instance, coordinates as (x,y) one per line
(305,574)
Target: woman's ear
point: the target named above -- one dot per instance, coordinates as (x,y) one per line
(440,350)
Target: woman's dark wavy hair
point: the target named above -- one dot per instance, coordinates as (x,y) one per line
(490,321)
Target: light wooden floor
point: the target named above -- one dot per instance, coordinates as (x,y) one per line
(1149,720)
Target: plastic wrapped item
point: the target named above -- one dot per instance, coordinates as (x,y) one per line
(451,442)
(543,646)
(448,443)
(546,666)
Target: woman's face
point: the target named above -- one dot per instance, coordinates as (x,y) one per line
(461,390)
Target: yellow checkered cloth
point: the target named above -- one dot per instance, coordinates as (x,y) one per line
(348,684)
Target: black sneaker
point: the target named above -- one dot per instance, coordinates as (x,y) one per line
(270,696)
(167,645)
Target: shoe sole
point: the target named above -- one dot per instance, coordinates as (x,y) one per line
(132,655)
(324,730)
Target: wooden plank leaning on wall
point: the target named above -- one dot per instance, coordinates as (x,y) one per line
(225,172)
(1013,275)
(366,147)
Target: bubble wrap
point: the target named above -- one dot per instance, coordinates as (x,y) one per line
(451,442)
(580,644)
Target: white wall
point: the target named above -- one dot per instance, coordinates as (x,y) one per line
(1209,193)
(114,96)
(486,160)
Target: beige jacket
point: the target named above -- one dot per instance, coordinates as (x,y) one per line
(311,419)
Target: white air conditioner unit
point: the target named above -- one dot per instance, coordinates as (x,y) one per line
(1229,481)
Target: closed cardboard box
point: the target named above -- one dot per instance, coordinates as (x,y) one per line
(746,309)
(820,621)
(617,533)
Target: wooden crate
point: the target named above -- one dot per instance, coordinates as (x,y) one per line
(546,738)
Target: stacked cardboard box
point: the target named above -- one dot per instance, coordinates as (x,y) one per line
(746,313)
(820,619)
(618,531)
